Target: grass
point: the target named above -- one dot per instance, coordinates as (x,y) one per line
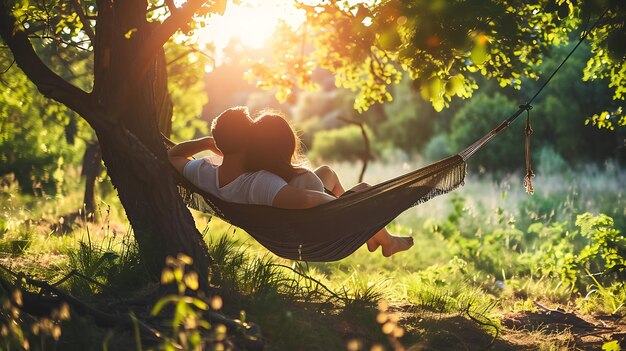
(473,265)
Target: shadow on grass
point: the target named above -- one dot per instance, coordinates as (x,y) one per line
(434,331)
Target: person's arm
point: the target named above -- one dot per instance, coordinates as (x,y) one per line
(297,198)
(180,154)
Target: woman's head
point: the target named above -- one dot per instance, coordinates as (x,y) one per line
(274,146)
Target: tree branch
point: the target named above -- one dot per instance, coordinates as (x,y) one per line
(191,50)
(8,68)
(57,40)
(102,48)
(159,36)
(38,304)
(367,154)
(165,30)
(84,20)
(171,6)
(48,83)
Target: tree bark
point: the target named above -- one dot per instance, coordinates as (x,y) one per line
(162,225)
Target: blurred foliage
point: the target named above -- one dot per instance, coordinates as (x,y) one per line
(187,321)
(367,46)
(478,117)
(408,124)
(345,143)
(35,134)
(437,148)
(550,161)
(185,70)
(41,137)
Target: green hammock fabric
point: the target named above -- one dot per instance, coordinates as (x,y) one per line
(334,230)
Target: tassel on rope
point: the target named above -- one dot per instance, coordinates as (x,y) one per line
(528,178)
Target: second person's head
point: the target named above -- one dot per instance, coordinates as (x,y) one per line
(273,146)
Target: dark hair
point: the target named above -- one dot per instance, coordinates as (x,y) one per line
(231,129)
(274,147)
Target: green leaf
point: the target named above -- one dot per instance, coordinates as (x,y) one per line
(200,304)
(161,303)
(479,54)
(454,86)
(438,104)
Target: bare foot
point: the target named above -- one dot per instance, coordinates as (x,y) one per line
(372,245)
(395,244)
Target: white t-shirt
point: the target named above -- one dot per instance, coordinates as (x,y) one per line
(257,188)
(308,180)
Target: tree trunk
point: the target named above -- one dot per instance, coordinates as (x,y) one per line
(132,148)
(161,223)
(92,159)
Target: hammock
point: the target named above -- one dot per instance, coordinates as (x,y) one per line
(336,229)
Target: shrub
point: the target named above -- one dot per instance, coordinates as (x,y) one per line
(479,116)
(342,144)
(437,148)
(550,161)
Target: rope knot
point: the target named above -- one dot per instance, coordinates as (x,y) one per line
(526,107)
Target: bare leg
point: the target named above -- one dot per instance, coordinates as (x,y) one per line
(330,180)
(390,244)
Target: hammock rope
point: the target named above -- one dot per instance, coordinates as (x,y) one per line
(470,150)
(528,178)
(336,229)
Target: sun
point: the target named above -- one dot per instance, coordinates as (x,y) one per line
(250,22)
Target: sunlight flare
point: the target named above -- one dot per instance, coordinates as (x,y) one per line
(251,23)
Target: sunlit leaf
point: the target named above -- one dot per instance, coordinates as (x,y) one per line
(612,345)
(167,276)
(191,280)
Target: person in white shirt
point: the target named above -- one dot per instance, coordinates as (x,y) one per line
(232,180)
(273,146)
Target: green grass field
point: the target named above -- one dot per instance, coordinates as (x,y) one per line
(488,264)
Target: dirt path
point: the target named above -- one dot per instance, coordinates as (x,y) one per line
(544,329)
(565,329)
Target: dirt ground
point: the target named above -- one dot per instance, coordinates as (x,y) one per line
(545,329)
(568,330)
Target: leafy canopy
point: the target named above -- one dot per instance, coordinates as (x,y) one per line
(443,46)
